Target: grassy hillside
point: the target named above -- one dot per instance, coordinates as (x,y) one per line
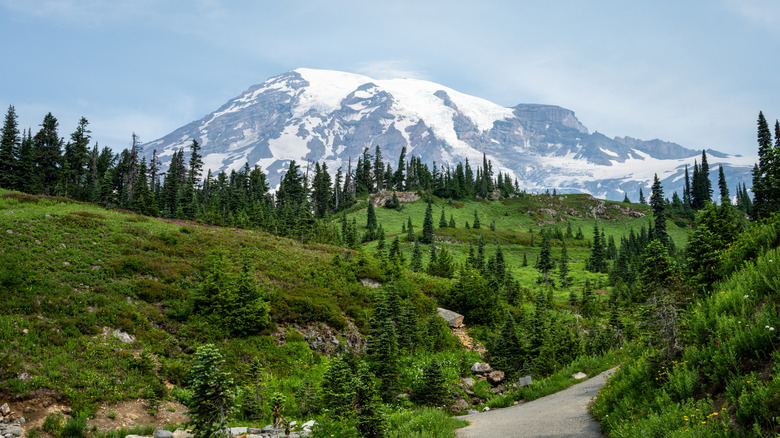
(724,377)
(518,221)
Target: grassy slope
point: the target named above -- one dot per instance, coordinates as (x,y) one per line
(68,269)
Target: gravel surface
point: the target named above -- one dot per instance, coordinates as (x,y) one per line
(563,414)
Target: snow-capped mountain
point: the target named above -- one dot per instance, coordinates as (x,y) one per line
(329,116)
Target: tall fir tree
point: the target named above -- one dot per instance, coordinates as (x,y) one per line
(659,212)
(725,199)
(10,141)
(563,267)
(545,263)
(47,146)
(427,229)
(761,172)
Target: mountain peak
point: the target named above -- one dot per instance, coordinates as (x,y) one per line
(331,116)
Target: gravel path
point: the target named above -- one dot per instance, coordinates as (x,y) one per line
(563,414)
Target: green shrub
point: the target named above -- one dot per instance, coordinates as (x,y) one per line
(76,426)
(53,424)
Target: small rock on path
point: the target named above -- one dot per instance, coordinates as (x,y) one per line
(563,414)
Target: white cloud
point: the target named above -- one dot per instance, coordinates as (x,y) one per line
(389,69)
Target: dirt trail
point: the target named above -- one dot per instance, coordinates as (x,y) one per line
(563,414)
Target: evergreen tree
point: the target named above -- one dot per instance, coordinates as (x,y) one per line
(642,197)
(212,393)
(47,146)
(442,220)
(507,352)
(597,260)
(409,229)
(659,207)
(367,404)
(379,170)
(545,263)
(427,230)
(338,387)
(398,177)
(10,141)
(441,264)
(625,199)
(724,188)
(476,221)
(701,188)
(431,390)
(473,297)
(563,270)
(658,270)
(76,160)
(687,200)
(384,359)
(416,264)
(452,221)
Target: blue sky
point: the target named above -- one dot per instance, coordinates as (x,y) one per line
(692,72)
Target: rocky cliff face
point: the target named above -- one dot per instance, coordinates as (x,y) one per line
(316,115)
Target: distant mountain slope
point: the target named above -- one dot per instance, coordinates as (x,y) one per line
(329,116)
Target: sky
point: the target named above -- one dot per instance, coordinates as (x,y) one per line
(695,72)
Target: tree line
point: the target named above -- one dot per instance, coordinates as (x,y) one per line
(45,163)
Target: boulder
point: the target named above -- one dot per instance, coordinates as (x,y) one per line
(453,319)
(267,429)
(5,409)
(525,381)
(481,368)
(467,382)
(472,412)
(163,434)
(580,376)
(495,377)
(460,406)
(14,430)
(234,431)
(485,409)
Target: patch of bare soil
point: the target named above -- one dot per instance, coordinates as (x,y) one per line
(40,403)
(134,412)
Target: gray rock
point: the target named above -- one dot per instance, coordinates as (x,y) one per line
(485,409)
(453,319)
(135,436)
(252,430)
(235,431)
(472,412)
(481,368)
(468,382)
(308,425)
(22,420)
(580,376)
(124,337)
(5,409)
(163,434)
(255,435)
(267,429)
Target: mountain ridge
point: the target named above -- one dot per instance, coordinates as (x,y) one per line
(330,116)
